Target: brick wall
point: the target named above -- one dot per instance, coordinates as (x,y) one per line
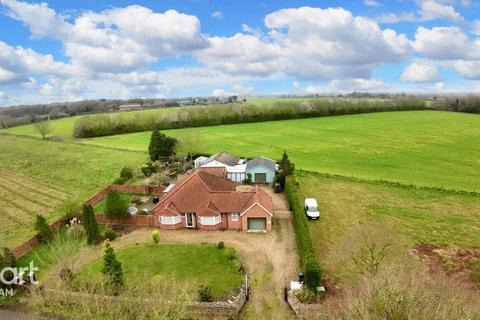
(31,243)
(123,188)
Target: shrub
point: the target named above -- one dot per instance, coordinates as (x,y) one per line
(126,173)
(156,236)
(119,181)
(66,274)
(110,234)
(7,260)
(148,169)
(90,224)
(221,245)
(205,294)
(75,231)
(112,270)
(115,207)
(43,230)
(306,251)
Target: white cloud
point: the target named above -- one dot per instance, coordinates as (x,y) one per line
(118,39)
(476,27)
(468,69)
(421,73)
(358,85)
(217,15)
(432,10)
(296,84)
(396,17)
(308,43)
(371,3)
(235,90)
(445,43)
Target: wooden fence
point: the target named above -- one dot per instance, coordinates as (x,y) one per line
(123,188)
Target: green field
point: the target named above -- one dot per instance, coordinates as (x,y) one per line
(64,127)
(51,173)
(192,264)
(354,211)
(428,148)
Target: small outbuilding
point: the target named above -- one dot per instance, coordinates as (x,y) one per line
(262,170)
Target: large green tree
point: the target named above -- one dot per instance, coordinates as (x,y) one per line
(115,206)
(285,169)
(112,269)
(161,146)
(90,224)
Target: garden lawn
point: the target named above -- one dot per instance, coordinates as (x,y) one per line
(193,264)
(428,148)
(64,127)
(355,212)
(125,197)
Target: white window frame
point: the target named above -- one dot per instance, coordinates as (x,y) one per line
(234,216)
(169,220)
(210,221)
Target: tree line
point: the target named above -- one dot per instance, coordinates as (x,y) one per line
(198,116)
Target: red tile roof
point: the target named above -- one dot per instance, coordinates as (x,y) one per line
(207,194)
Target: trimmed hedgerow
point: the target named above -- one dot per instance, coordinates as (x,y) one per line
(306,251)
(199,116)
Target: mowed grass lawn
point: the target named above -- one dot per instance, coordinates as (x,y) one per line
(352,213)
(185,264)
(429,148)
(64,127)
(38,177)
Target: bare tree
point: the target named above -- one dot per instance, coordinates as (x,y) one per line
(43,128)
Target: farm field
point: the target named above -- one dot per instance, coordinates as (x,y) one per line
(64,127)
(428,148)
(186,264)
(22,199)
(356,212)
(38,176)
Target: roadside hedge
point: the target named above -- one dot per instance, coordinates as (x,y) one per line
(199,116)
(306,251)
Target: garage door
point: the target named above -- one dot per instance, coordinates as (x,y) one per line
(257,224)
(260,177)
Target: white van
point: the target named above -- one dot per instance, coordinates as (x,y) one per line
(311,209)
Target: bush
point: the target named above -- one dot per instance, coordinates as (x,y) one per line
(119,181)
(90,224)
(43,230)
(306,251)
(205,294)
(112,270)
(156,236)
(66,274)
(115,207)
(148,169)
(126,173)
(75,231)
(221,245)
(110,234)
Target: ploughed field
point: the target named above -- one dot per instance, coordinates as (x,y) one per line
(23,197)
(40,177)
(427,148)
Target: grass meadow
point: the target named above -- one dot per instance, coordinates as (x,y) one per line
(353,213)
(40,176)
(64,127)
(428,148)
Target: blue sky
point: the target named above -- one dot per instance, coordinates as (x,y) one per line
(71,50)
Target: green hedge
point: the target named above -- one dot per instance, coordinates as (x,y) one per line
(306,251)
(199,116)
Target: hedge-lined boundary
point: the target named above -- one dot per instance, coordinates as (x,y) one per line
(306,251)
(391,183)
(201,116)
